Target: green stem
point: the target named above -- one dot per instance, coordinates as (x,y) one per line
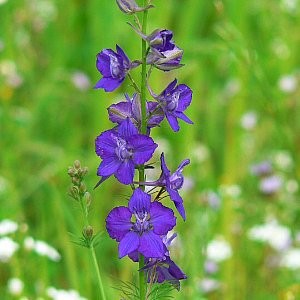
(95,263)
(142,280)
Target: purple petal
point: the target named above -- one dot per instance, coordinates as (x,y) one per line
(163,165)
(134,256)
(162,218)
(151,245)
(125,172)
(109,166)
(127,129)
(184,163)
(118,222)
(105,143)
(185,97)
(103,62)
(126,61)
(173,122)
(139,201)
(109,84)
(180,209)
(183,117)
(143,148)
(129,243)
(174,270)
(176,198)
(169,88)
(119,112)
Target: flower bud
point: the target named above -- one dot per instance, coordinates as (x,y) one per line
(77,164)
(88,198)
(88,232)
(82,187)
(130,6)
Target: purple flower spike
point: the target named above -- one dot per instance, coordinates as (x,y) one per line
(132,109)
(174,101)
(121,149)
(151,220)
(114,67)
(173,182)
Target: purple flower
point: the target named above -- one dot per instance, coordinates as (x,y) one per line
(151,220)
(121,149)
(132,109)
(161,40)
(174,100)
(261,169)
(131,7)
(113,66)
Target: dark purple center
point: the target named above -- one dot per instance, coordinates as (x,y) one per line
(142,223)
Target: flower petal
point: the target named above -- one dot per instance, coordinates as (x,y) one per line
(126,61)
(185,97)
(105,143)
(176,198)
(151,245)
(184,163)
(164,168)
(127,129)
(118,222)
(143,146)
(139,201)
(183,117)
(109,166)
(173,122)
(119,112)
(162,218)
(129,243)
(103,62)
(125,172)
(109,84)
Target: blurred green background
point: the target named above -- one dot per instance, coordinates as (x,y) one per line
(241,61)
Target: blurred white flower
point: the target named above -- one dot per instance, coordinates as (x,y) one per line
(2,1)
(232,87)
(80,80)
(200,153)
(249,120)
(208,285)
(218,250)
(292,186)
(272,233)
(7,248)
(283,160)
(15,286)
(270,184)
(289,5)
(41,248)
(56,294)
(210,267)
(287,83)
(8,226)
(8,69)
(291,259)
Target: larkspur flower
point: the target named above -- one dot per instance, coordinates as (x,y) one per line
(174,100)
(131,7)
(172,183)
(131,108)
(121,149)
(114,67)
(152,220)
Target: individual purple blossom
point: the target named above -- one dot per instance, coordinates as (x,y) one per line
(174,100)
(113,66)
(143,235)
(131,7)
(261,169)
(121,149)
(270,185)
(131,108)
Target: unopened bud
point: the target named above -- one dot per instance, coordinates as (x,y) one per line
(88,198)
(74,192)
(88,232)
(77,164)
(130,6)
(82,187)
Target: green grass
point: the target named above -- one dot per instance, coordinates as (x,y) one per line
(46,123)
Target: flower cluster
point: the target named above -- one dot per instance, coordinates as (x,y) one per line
(141,226)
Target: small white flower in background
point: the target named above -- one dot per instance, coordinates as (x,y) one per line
(287,83)
(15,286)
(249,120)
(289,5)
(291,259)
(283,160)
(200,153)
(232,87)
(208,285)
(218,250)
(41,248)
(292,186)
(7,227)
(8,69)
(56,294)
(232,190)
(272,233)
(210,267)
(2,1)
(270,184)
(80,80)
(212,199)
(7,248)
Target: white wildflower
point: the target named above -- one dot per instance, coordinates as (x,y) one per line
(7,248)
(43,249)
(272,233)
(287,83)
(200,153)
(80,80)
(271,184)
(2,1)
(292,186)
(283,160)
(291,259)
(208,285)
(249,120)
(56,294)
(218,250)
(8,226)
(15,286)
